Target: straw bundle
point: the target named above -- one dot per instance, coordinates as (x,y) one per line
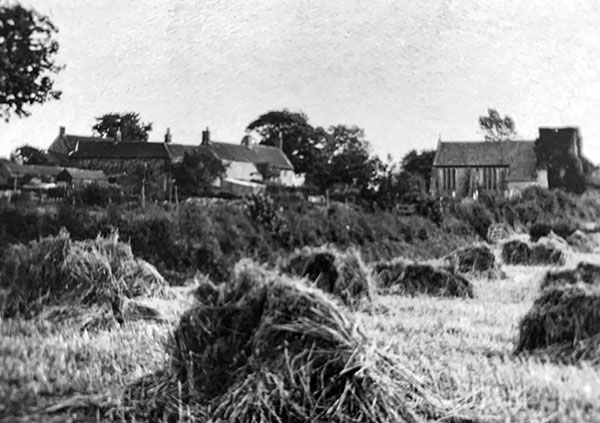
(544,252)
(56,271)
(274,350)
(402,277)
(342,274)
(563,324)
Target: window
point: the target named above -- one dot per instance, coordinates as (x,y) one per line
(490,178)
(448,179)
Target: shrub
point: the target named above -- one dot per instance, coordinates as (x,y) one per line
(521,253)
(475,214)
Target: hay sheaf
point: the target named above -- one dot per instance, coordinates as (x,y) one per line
(478,259)
(410,278)
(340,273)
(587,273)
(56,272)
(544,252)
(582,242)
(273,350)
(563,324)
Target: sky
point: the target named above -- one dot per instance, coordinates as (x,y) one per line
(406,72)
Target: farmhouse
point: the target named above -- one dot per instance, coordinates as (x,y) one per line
(14,175)
(463,169)
(243,162)
(77,178)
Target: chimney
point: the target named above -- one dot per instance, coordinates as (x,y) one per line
(118,137)
(61,131)
(206,136)
(280,141)
(246,141)
(168,136)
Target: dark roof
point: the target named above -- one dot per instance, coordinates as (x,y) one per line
(122,150)
(64,144)
(177,151)
(76,173)
(252,154)
(19,170)
(518,156)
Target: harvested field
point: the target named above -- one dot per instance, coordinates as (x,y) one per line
(274,350)
(561,323)
(517,252)
(410,278)
(88,280)
(342,274)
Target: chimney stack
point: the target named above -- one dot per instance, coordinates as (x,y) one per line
(168,136)
(280,141)
(61,131)
(118,137)
(206,136)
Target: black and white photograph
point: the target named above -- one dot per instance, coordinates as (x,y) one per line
(303,211)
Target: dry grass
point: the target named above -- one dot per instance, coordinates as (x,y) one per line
(340,273)
(90,281)
(273,350)
(403,277)
(543,252)
(459,350)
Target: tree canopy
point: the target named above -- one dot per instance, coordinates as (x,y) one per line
(293,130)
(129,123)
(29,155)
(27,60)
(342,157)
(496,127)
(419,164)
(196,173)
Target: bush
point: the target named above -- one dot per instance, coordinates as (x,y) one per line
(475,214)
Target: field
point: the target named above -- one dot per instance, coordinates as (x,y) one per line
(460,348)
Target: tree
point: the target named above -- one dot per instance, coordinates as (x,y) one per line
(342,158)
(419,164)
(27,64)
(292,129)
(29,155)
(496,127)
(196,173)
(130,125)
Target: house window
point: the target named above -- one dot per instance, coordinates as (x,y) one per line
(448,179)
(490,178)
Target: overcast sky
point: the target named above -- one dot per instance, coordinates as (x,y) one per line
(405,72)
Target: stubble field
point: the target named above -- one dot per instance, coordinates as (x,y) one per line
(461,349)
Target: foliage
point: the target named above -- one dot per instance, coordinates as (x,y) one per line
(419,164)
(263,210)
(196,173)
(27,64)
(267,172)
(29,155)
(496,127)
(299,138)
(129,123)
(343,159)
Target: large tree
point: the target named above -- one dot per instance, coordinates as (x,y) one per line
(496,127)
(343,158)
(27,60)
(419,164)
(29,155)
(129,123)
(196,173)
(292,129)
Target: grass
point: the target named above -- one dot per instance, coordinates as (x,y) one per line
(460,348)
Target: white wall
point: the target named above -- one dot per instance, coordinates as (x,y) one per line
(242,170)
